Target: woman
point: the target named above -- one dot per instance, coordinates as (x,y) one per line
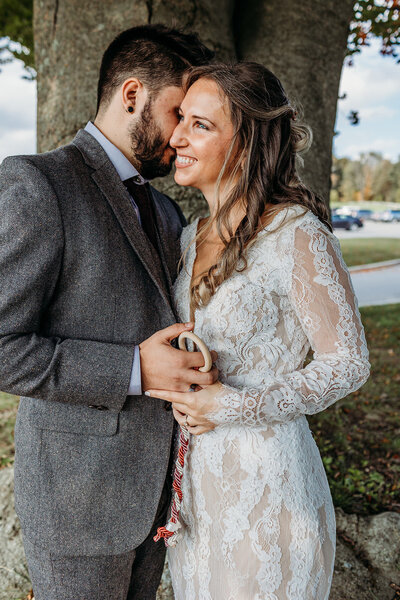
(263,281)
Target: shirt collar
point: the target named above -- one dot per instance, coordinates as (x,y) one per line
(123,166)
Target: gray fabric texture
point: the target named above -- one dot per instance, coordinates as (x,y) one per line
(79,288)
(133,575)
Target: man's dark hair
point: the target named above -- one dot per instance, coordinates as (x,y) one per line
(155,54)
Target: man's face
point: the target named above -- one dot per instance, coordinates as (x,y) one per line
(153,156)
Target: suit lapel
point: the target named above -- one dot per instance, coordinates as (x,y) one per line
(120,202)
(111,186)
(164,241)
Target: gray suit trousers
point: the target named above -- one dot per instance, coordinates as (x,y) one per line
(133,575)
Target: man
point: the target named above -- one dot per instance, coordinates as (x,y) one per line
(88,255)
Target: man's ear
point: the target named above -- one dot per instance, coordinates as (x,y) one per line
(131,89)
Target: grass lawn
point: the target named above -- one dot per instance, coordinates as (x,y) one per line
(358,437)
(361,251)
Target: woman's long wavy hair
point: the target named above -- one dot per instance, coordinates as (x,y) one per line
(259,168)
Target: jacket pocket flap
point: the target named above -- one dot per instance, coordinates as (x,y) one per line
(58,416)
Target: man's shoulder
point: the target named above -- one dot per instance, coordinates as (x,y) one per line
(170,206)
(45,162)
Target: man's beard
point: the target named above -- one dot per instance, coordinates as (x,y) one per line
(148,146)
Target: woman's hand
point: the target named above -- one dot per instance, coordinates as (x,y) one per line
(196,405)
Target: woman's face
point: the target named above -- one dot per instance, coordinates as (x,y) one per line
(202,137)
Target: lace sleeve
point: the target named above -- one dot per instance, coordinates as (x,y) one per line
(321,294)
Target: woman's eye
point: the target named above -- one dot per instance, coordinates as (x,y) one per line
(201,125)
(180,118)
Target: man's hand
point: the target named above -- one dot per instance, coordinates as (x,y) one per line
(166,368)
(191,408)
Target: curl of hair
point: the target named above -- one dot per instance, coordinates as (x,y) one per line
(259,168)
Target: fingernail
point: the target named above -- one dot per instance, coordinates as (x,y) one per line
(188,324)
(147,394)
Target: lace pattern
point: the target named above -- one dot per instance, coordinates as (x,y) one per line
(257,513)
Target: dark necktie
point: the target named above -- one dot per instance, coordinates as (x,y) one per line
(142,197)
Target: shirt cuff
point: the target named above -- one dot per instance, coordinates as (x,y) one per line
(135,386)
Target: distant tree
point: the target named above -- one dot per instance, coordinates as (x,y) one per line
(372,177)
(370,163)
(382,184)
(352,182)
(394,179)
(337,174)
(17,33)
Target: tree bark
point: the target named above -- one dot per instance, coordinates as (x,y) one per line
(212,19)
(303,43)
(70,38)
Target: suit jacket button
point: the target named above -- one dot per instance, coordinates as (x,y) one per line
(167,405)
(98,406)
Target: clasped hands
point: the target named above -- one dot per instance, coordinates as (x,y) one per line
(168,373)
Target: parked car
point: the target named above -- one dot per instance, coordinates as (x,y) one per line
(389,216)
(342,210)
(346,222)
(364,214)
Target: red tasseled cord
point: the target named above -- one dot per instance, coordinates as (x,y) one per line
(168,533)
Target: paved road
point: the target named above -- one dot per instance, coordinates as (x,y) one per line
(371,230)
(381,286)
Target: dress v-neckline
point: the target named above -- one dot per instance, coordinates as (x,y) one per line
(193,256)
(193,249)
(194,226)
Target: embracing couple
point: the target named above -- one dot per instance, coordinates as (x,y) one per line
(99,276)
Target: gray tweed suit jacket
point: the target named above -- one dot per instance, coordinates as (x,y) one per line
(79,287)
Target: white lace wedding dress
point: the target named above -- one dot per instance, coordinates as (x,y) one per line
(257,514)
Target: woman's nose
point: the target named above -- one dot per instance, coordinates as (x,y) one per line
(177,137)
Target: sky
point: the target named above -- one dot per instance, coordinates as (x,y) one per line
(372,88)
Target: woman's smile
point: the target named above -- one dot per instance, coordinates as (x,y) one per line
(183,161)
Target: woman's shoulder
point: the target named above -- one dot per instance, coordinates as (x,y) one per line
(291,217)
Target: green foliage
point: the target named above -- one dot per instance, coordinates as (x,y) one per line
(375,18)
(16,29)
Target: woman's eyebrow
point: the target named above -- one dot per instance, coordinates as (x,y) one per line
(180,111)
(203,119)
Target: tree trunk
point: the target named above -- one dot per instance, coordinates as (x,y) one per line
(70,38)
(304,44)
(212,19)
